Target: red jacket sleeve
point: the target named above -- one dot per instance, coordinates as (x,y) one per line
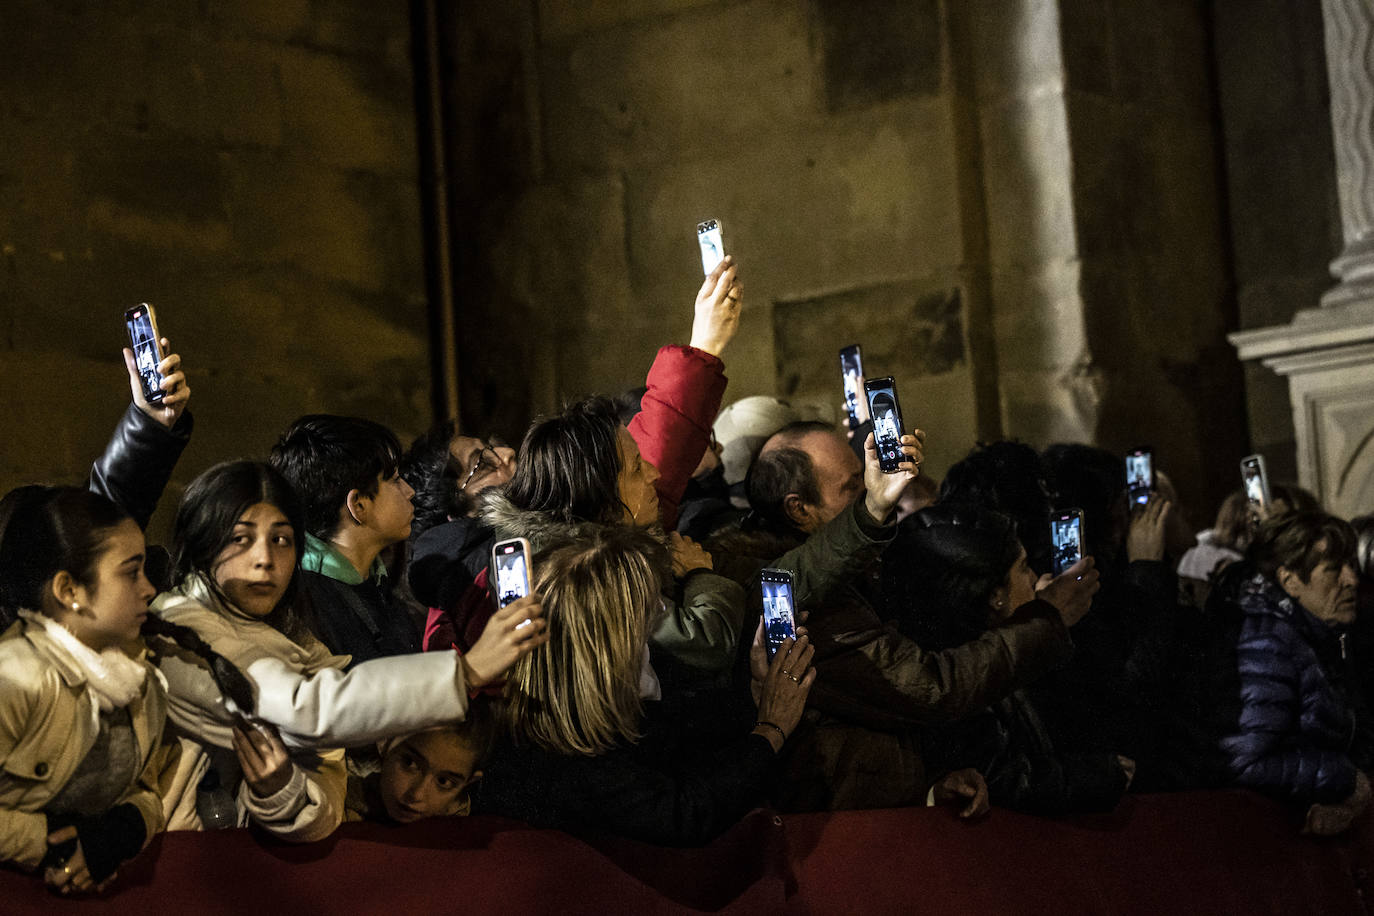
(673,426)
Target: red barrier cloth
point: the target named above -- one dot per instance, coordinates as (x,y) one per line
(1215,852)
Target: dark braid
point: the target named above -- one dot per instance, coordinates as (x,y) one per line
(231,681)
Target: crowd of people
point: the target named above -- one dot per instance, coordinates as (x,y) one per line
(321,640)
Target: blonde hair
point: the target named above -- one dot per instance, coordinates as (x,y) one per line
(579,694)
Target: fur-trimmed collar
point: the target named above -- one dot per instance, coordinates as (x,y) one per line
(542,530)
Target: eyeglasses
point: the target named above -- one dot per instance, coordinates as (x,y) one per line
(487,462)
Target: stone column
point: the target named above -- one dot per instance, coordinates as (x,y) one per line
(1327,353)
(1350,68)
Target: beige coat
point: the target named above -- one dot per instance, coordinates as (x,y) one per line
(49,720)
(318,708)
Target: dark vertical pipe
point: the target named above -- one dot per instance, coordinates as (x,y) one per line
(431,131)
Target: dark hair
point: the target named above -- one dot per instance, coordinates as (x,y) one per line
(47,530)
(780,472)
(1092,479)
(940,573)
(204,526)
(325,457)
(1298,499)
(569,465)
(1291,541)
(435,476)
(1006,477)
(478,728)
(629,403)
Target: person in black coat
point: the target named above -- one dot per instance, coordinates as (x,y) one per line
(956,571)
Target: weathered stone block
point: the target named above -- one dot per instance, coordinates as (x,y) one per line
(154,195)
(890,50)
(559,19)
(1038,317)
(678,88)
(1016,49)
(870,197)
(286,210)
(347,112)
(561,248)
(909,329)
(1027,186)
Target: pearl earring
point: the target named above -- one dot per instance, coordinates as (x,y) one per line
(75,606)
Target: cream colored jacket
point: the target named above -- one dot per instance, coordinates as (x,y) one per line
(302,690)
(49,720)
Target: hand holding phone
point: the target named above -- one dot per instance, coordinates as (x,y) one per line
(883,407)
(719,304)
(1140,475)
(711,243)
(157,383)
(1066,539)
(779,609)
(1255,479)
(510,561)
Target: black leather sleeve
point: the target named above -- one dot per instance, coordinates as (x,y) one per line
(137,463)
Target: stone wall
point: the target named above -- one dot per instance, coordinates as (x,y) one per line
(1012,204)
(248,167)
(825,143)
(1152,239)
(1284,218)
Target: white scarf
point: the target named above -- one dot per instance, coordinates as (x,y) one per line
(115,679)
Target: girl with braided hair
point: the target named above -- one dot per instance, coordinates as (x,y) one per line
(82,758)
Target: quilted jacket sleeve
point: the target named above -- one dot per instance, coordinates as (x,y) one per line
(1261,754)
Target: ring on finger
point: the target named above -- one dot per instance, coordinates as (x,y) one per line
(793,677)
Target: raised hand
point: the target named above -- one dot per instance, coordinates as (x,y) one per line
(176,392)
(1145,540)
(884,490)
(785,689)
(1072,591)
(262,757)
(719,302)
(511,632)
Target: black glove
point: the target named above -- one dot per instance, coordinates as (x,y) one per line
(107,840)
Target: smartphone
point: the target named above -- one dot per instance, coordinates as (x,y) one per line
(1256,481)
(511,561)
(851,370)
(1140,475)
(712,246)
(1066,535)
(146,342)
(886,414)
(779,617)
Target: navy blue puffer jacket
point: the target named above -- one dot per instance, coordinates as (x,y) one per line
(1292,732)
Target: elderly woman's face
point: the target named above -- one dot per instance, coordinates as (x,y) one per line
(1328,594)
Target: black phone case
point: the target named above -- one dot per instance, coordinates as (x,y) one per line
(885,463)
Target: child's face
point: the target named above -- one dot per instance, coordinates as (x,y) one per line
(424,776)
